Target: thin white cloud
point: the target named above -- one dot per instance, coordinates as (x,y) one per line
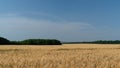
(21,27)
(17,23)
(9,15)
(45,14)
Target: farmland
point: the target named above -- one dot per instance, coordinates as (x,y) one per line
(65,56)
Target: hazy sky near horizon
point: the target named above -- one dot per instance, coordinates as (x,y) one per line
(66,20)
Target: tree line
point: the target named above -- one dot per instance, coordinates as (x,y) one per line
(4,41)
(104,42)
(96,42)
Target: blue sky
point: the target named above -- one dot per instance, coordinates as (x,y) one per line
(66,20)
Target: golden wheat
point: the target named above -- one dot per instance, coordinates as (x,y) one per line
(65,56)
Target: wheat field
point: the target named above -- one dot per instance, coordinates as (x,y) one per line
(65,56)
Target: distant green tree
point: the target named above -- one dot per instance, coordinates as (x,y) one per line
(4,41)
(40,42)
